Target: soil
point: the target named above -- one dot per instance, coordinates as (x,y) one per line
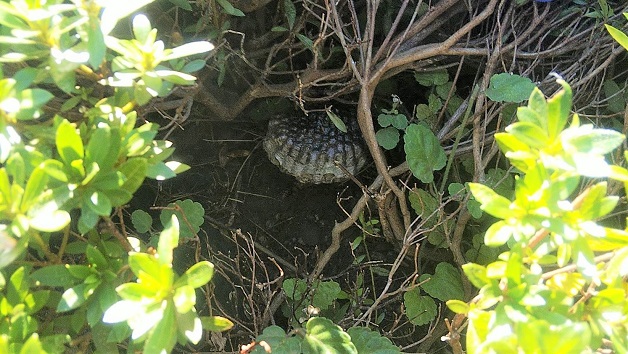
(240,188)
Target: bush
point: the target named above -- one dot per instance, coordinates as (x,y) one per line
(561,286)
(73,152)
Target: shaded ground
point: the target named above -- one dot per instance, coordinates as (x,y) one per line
(239,188)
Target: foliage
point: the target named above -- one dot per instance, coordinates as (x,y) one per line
(73,151)
(561,283)
(320,335)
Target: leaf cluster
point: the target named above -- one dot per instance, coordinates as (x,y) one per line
(560,282)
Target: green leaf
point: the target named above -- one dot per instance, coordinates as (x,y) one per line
(184,299)
(419,309)
(168,240)
(277,340)
(498,234)
(46,214)
(290,11)
(184,4)
(142,29)
(96,258)
(136,292)
(75,296)
(32,345)
(54,275)
(530,134)
(117,10)
(323,336)
(218,324)
(142,221)
(388,138)
(423,152)
(98,148)
(145,263)
(135,171)
(189,326)
(458,306)
(160,171)
(229,9)
(558,110)
(87,220)
(307,42)
(191,216)
(492,202)
(586,139)
(367,341)
(35,186)
(618,35)
(98,203)
(445,284)
(69,143)
(506,87)
(425,205)
(10,250)
(194,65)
(95,43)
(614,96)
(432,78)
(197,275)
(325,294)
(163,338)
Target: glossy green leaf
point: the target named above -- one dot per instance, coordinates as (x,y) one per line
(168,240)
(492,202)
(98,203)
(35,186)
(476,274)
(32,345)
(419,309)
(10,250)
(618,35)
(194,65)
(136,292)
(558,110)
(54,275)
(498,234)
(163,338)
(146,263)
(189,326)
(586,139)
(220,324)
(190,48)
(423,152)
(46,215)
(197,275)
(184,299)
(458,306)
(69,143)
(97,149)
(87,220)
(116,10)
(530,134)
(75,296)
(96,258)
(323,336)
(135,171)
